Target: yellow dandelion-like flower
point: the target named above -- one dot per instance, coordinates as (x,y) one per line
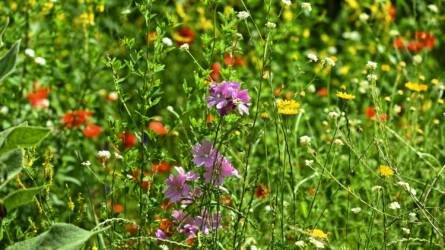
(386,67)
(318,234)
(416,87)
(385,171)
(264,115)
(345,96)
(288,107)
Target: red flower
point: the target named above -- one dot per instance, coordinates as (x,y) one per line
(261,191)
(160,168)
(426,39)
(166,226)
(322,92)
(210,118)
(370,112)
(399,43)
(216,72)
(415,46)
(157,127)
(118,208)
(38,98)
(136,173)
(128,139)
(234,61)
(132,228)
(184,35)
(92,130)
(392,12)
(76,118)
(151,37)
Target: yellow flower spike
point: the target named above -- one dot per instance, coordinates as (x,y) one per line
(385,171)
(318,234)
(416,87)
(288,107)
(345,96)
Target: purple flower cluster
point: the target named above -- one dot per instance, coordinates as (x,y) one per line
(177,187)
(216,166)
(205,222)
(227,96)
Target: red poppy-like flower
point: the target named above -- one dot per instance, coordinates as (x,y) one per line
(92,131)
(392,12)
(261,191)
(399,43)
(128,139)
(414,46)
(426,39)
(234,60)
(184,35)
(322,92)
(38,98)
(216,72)
(157,127)
(160,168)
(166,226)
(118,208)
(370,112)
(76,118)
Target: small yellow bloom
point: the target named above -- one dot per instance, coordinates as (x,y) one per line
(386,68)
(435,81)
(100,8)
(318,234)
(345,96)
(288,107)
(264,115)
(70,204)
(416,87)
(385,171)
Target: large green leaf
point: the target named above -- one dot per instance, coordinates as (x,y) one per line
(20,197)
(8,61)
(21,136)
(60,236)
(10,166)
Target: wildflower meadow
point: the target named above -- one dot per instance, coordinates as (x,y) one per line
(222,124)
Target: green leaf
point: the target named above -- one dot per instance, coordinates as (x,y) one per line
(10,166)
(60,236)
(21,136)
(8,61)
(3,31)
(20,197)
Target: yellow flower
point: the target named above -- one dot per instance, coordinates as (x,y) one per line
(435,81)
(385,171)
(70,204)
(288,107)
(318,234)
(386,68)
(100,8)
(345,96)
(264,115)
(416,87)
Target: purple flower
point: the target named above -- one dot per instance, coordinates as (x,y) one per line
(219,172)
(177,186)
(226,96)
(203,154)
(160,235)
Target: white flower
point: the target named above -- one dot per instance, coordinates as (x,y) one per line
(271,25)
(185,47)
(312,56)
(268,208)
(376,188)
(308,163)
(40,60)
(300,243)
(311,88)
(329,61)
(4,110)
(433,8)
(104,154)
(30,52)
(86,163)
(417,59)
(49,124)
(412,217)
(397,109)
(253,247)
(363,17)
(316,243)
(243,15)
(167,41)
(372,77)
(394,205)
(394,33)
(356,210)
(286,2)
(333,115)
(371,65)
(118,156)
(363,86)
(307,7)
(406,230)
(407,187)
(163,247)
(126,12)
(305,140)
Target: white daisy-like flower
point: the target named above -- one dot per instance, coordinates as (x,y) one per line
(243,15)
(104,154)
(167,41)
(394,205)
